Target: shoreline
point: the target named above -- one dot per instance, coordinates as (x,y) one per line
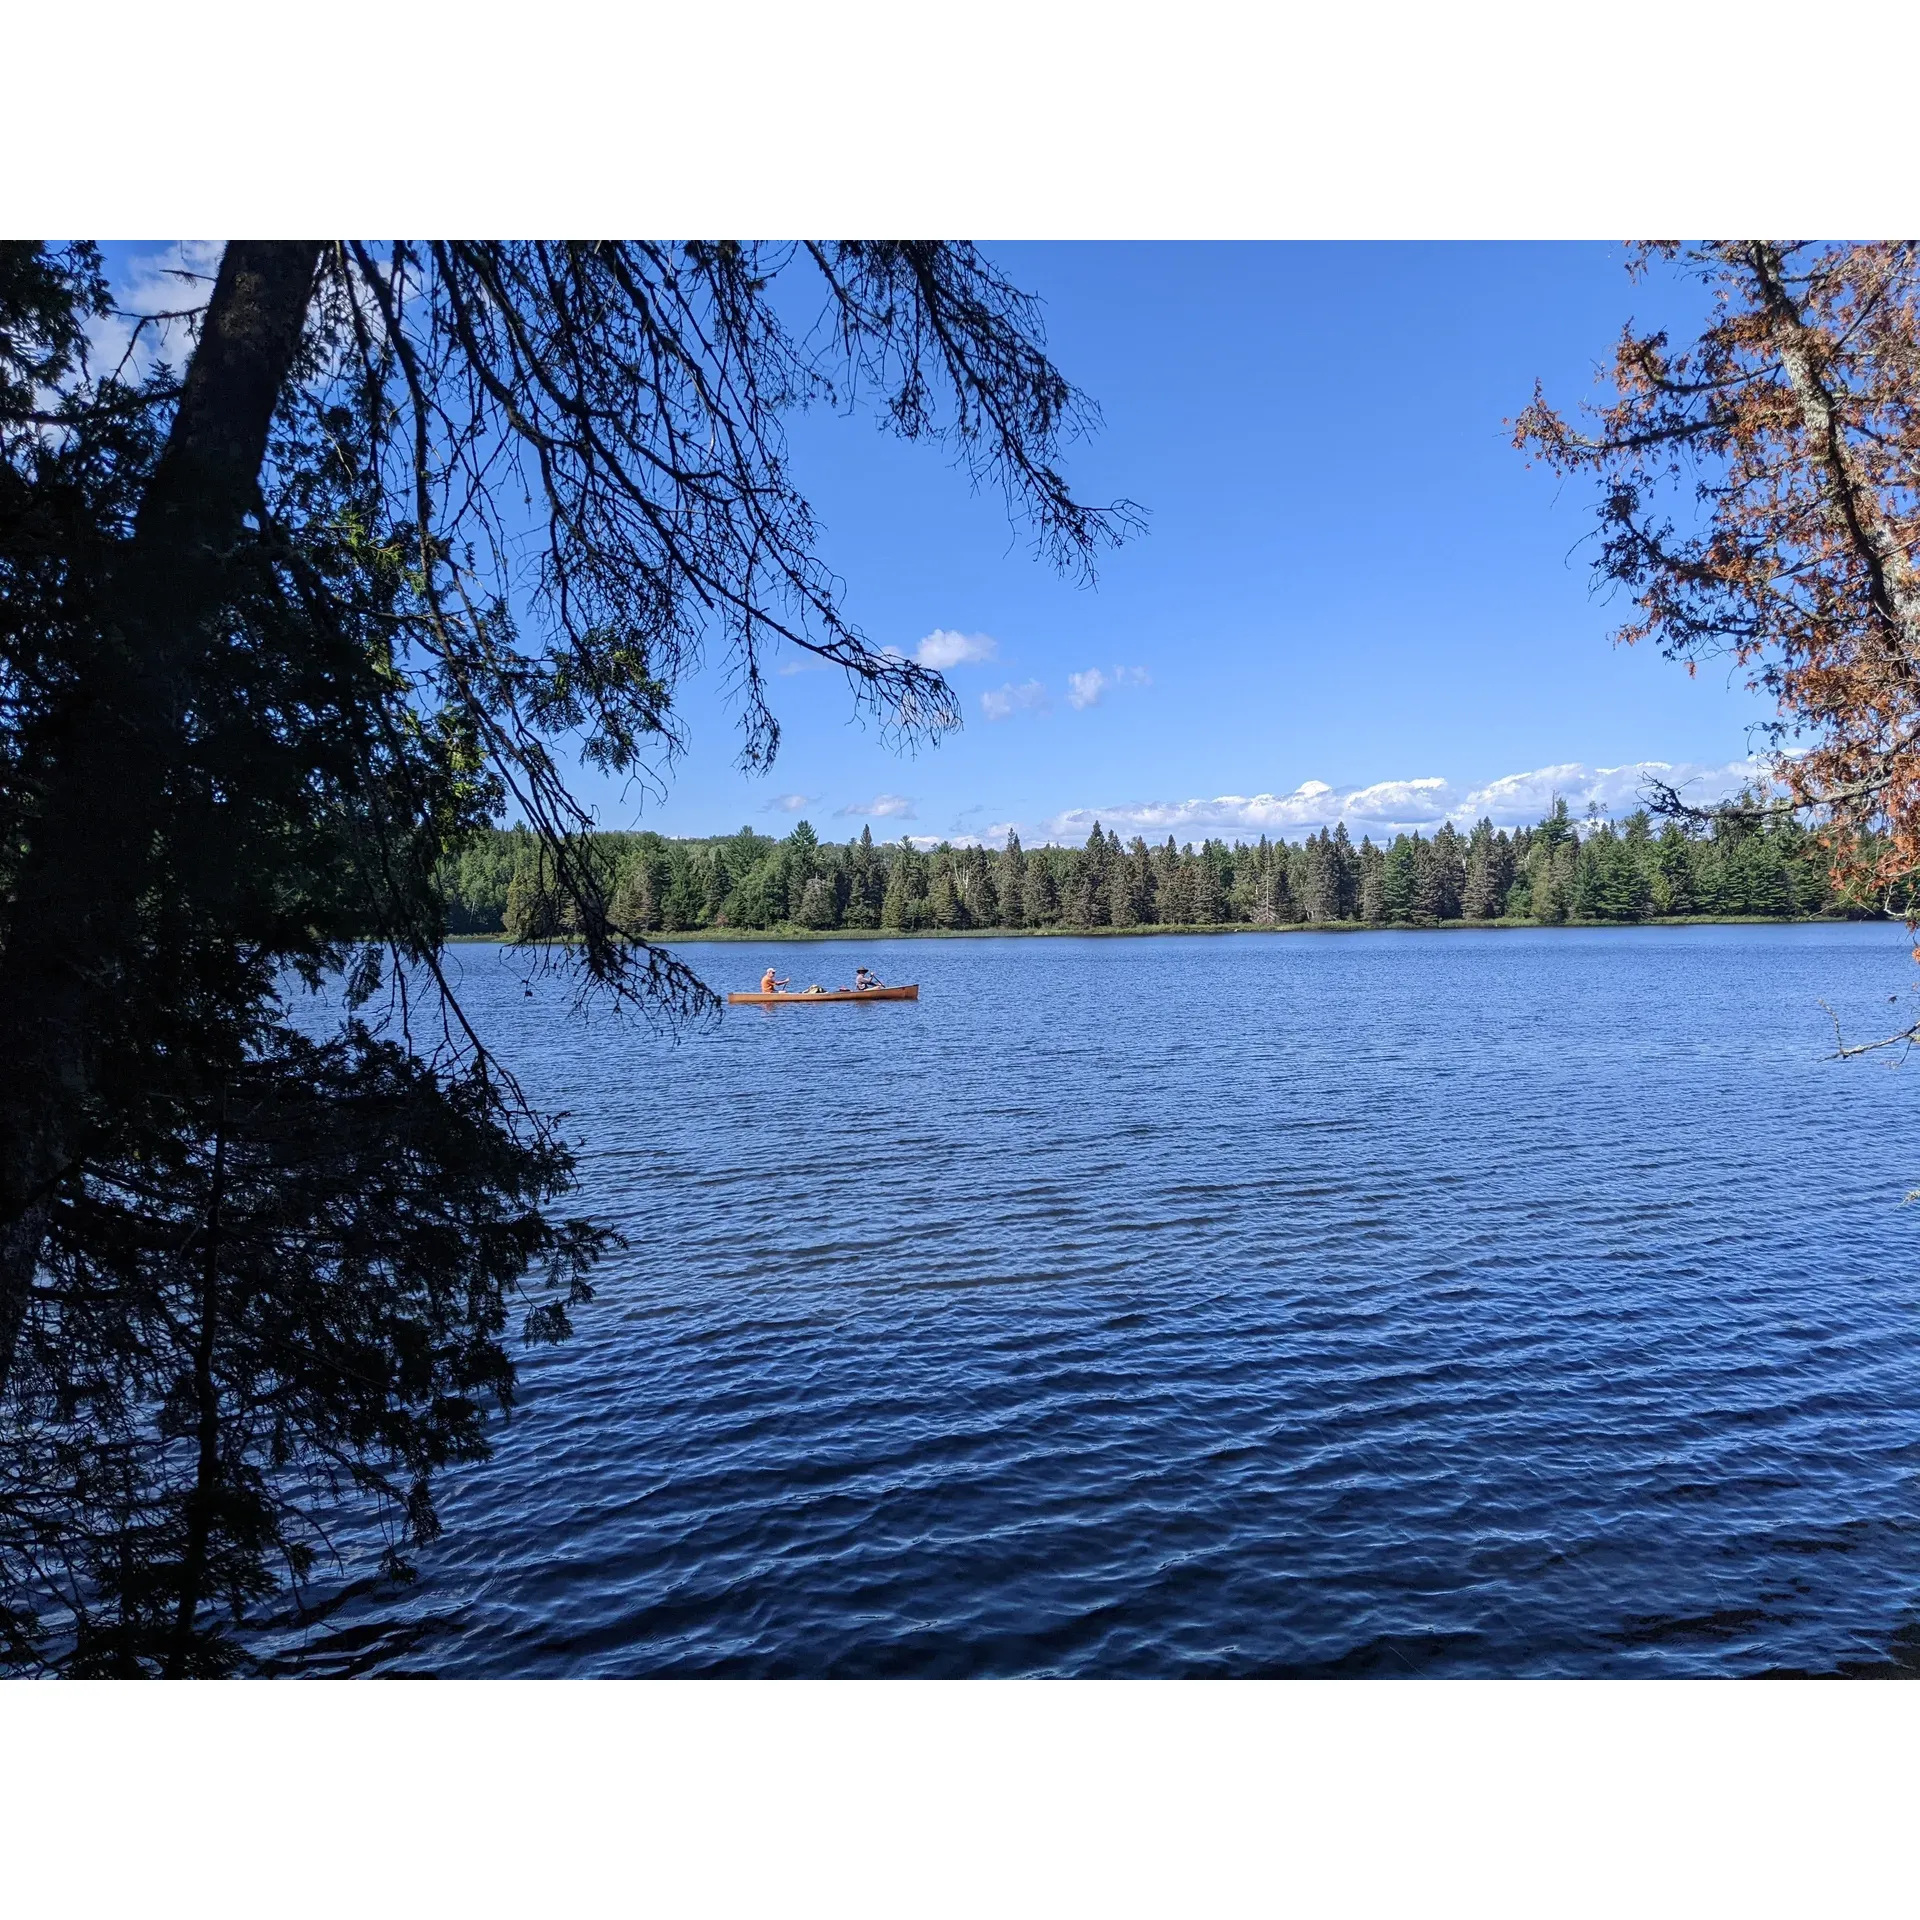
(803,936)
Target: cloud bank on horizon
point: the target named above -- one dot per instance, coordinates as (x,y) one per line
(1385,808)
(1408,806)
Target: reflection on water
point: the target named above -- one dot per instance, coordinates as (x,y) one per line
(1369,1304)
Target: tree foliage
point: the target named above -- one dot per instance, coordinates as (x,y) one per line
(416,526)
(1594,871)
(1759,501)
(289,1295)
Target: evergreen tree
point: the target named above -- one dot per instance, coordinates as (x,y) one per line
(1088,902)
(904,907)
(293,1289)
(1039,898)
(533,907)
(1548,870)
(1373,890)
(1345,869)
(945,908)
(716,885)
(1673,888)
(1009,884)
(973,875)
(1400,878)
(685,896)
(1209,904)
(864,887)
(1169,903)
(1321,892)
(1266,904)
(817,911)
(1443,876)
(1484,890)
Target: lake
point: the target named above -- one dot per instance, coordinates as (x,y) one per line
(1499,1302)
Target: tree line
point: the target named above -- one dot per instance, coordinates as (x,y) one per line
(1558,871)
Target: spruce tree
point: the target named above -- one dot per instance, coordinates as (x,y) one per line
(1400,879)
(1446,876)
(1088,903)
(1166,884)
(1009,884)
(1345,867)
(1039,897)
(1321,893)
(1480,893)
(1373,892)
(862,884)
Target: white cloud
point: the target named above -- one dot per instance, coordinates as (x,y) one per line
(1002,702)
(1421,804)
(883,806)
(790,803)
(1084,689)
(153,283)
(943,648)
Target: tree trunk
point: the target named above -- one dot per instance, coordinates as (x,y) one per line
(1893,584)
(72,950)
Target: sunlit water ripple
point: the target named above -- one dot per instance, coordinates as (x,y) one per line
(1455,1303)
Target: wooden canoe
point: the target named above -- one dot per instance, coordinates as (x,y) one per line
(814,999)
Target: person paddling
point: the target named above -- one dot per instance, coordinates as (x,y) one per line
(768,984)
(863,980)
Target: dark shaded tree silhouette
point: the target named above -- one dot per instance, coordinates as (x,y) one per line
(495,500)
(417,525)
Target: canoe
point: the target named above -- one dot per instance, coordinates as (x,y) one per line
(814,999)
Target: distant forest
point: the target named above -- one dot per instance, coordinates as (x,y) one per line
(1560,871)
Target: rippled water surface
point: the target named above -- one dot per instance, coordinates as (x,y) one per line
(1454,1303)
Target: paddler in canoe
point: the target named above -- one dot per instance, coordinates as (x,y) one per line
(867,985)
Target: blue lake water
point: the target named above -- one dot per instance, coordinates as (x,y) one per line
(1452,1303)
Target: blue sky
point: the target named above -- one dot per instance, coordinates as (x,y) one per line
(1350,580)
(1353,599)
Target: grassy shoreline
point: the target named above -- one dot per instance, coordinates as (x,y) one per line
(804,936)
